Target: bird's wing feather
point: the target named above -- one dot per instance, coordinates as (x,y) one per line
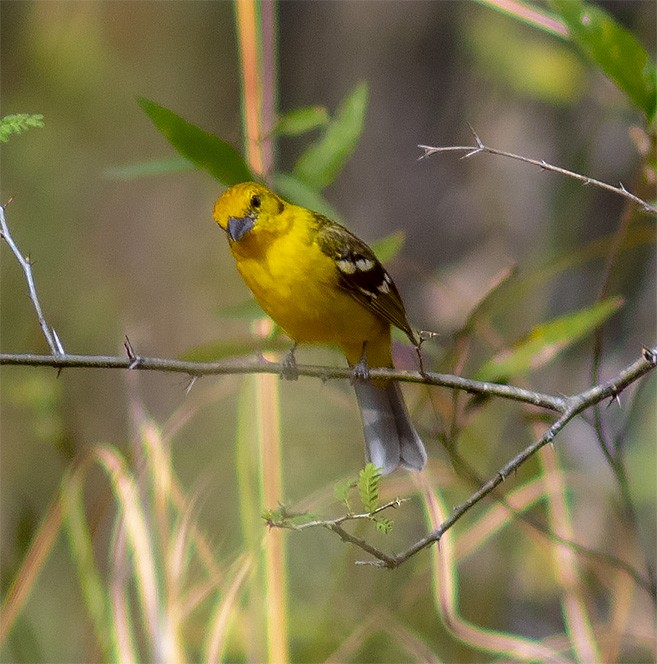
(361,274)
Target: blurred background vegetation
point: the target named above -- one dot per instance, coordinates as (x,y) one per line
(143,258)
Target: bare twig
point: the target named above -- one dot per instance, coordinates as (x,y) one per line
(286,522)
(472,150)
(26,264)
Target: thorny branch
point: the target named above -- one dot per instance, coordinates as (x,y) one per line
(472,150)
(573,406)
(261,365)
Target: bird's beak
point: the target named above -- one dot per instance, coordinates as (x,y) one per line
(238,227)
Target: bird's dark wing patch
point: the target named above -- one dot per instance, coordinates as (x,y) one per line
(361,274)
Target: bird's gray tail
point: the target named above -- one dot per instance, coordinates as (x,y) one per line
(390,437)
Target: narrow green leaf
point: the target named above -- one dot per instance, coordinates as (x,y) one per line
(294,190)
(543,343)
(301,120)
(150,167)
(614,49)
(386,248)
(205,150)
(321,163)
(369,480)
(528,13)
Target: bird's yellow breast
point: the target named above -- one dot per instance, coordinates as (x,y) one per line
(297,285)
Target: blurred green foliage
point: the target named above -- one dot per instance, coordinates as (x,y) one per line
(618,53)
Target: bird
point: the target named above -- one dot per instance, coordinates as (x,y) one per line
(323,285)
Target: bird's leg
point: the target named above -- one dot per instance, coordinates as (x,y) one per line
(418,352)
(360,371)
(289,363)
(423,336)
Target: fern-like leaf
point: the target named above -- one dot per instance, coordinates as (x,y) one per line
(383,525)
(18,123)
(369,480)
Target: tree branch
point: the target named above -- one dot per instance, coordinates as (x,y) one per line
(197,369)
(472,150)
(26,264)
(572,406)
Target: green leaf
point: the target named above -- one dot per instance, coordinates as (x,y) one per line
(386,248)
(369,480)
(17,124)
(321,163)
(614,49)
(543,343)
(533,65)
(205,150)
(294,190)
(301,120)
(384,525)
(150,167)
(341,491)
(529,14)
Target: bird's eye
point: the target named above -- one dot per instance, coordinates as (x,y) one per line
(255,201)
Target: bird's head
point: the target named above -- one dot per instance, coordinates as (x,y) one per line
(245,208)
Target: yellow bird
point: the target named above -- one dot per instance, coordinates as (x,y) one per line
(323,285)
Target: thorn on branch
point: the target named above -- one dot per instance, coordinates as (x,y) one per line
(135,360)
(425,335)
(190,384)
(427,151)
(58,344)
(649,355)
(473,152)
(480,145)
(614,398)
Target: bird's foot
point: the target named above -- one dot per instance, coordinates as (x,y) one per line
(360,372)
(289,370)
